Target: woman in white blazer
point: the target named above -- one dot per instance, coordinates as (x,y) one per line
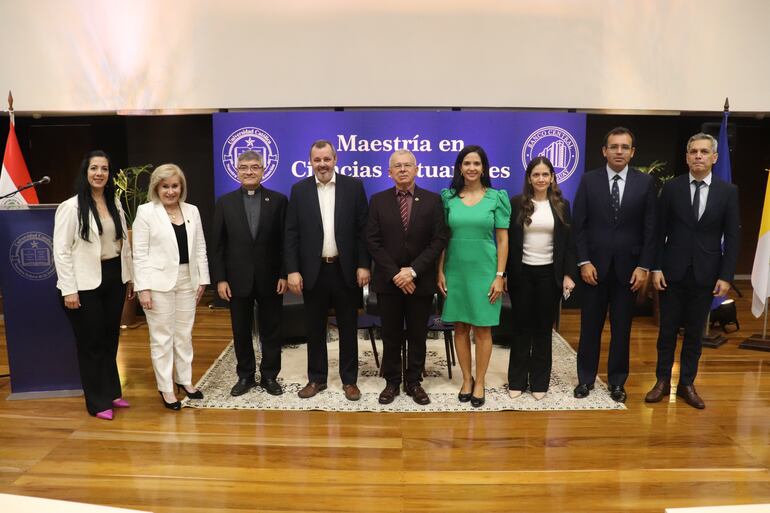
(93,268)
(170,274)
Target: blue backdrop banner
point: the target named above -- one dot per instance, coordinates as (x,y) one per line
(364,141)
(41,347)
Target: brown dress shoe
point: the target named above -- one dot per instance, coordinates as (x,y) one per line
(418,394)
(352,393)
(389,394)
(690,396)
(658,392)
(311,389)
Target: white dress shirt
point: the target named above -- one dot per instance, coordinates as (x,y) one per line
(326,201)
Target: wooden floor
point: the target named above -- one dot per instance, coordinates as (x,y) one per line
(643,460)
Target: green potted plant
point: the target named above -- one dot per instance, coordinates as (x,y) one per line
(131,186)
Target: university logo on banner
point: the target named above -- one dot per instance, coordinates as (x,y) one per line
(250,138)
(31,256)
(557,145)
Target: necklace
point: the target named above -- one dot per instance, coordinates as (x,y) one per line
(171,216)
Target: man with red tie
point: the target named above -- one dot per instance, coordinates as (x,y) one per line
(405,235)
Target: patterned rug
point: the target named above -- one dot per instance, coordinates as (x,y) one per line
(220,377)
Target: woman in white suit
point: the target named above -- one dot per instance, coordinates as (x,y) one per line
(93,268)
(170,274)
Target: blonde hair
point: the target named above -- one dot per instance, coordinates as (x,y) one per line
(164,172)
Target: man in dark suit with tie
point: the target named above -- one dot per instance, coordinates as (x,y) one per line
(614,226)
(697,212)
(246,264)
(327,262)
(405,234)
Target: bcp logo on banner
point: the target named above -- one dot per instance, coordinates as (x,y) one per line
(557,145)
(250,138)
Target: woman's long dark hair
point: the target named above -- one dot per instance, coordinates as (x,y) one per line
(458,182)
(86,204)
(553,193)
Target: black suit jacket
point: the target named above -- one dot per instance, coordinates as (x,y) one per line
(563,248)
(628,244)
(304,231)
(683,241)
(237,258)
(419,247)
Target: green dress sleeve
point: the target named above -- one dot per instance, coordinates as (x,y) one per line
(502,210)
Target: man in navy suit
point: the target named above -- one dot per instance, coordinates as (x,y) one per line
(697,212)
(327,262)
(614,226)
(246,264)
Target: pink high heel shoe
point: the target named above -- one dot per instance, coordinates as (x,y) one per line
(120,403)
(105,415)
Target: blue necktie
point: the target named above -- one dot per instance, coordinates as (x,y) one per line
(615,199)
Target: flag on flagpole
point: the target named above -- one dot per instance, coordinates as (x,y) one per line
(722,167)
(15,173)
(760,272)
(722,170)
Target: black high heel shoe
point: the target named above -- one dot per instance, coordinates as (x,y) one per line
(192,395)
(477,402)
(464,398)
(176,406)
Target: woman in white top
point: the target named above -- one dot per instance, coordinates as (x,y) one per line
(541,265)
(93,268)
(171,272)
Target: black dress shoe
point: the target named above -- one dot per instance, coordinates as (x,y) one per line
(243,386)
(582,390)
(192,395)
(618,393)
(271,386)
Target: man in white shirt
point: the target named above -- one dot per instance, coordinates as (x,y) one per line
(328,263)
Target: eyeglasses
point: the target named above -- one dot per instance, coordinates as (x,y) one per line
(622,147)
(254,167)
(399,167)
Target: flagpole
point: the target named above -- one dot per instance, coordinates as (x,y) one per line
(714,339)
(10,107)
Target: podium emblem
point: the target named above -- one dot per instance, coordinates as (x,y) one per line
(31,256)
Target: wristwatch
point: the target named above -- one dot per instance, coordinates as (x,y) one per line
(414,274)
(502,274)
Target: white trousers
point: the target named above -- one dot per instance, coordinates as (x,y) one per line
(171,321)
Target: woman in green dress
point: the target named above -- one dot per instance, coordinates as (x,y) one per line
(471,272)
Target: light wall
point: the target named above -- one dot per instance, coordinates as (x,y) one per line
(169,55)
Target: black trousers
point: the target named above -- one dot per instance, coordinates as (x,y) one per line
(404,316)
(96,325)
(330,290)
(534,300)
(617,295)
(683,303)
(269,309)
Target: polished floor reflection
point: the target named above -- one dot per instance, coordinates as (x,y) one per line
(643,460)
